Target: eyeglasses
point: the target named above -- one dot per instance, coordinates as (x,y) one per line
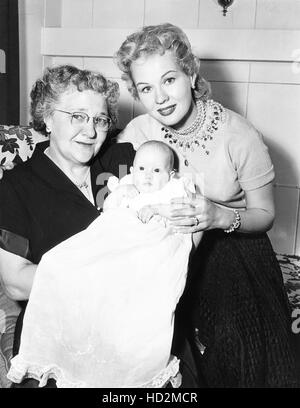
(80,118)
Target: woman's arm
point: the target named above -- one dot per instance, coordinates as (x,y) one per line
(260,212)
(199,214)
(16,274)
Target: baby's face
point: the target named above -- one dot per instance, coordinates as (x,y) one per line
(150,170)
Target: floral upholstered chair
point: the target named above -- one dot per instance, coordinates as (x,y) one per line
(16,145)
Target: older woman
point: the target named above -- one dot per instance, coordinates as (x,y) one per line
(53,195)
(240,329)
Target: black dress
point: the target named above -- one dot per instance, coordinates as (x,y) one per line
(236,311)
(40,207)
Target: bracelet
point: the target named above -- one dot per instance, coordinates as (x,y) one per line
(236,223)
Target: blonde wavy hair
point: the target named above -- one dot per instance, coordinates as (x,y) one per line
(157,39)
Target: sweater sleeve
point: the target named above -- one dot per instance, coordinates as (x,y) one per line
(250,157)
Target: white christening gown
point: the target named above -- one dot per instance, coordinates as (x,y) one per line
(102,305)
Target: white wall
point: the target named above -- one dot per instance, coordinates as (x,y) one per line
(261,81)
(33,15)
(31,19)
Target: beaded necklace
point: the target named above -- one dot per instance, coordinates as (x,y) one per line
(209,115)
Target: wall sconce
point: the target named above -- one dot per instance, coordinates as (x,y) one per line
(225,4)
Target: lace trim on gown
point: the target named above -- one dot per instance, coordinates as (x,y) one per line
(21,370)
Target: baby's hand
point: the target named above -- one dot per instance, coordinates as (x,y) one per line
(145,214)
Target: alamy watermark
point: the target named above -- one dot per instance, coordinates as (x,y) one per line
(196,179)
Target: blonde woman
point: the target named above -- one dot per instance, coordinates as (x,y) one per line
(236,310)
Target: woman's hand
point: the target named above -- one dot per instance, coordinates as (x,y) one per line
(146,213)
(200,214)
(190,214)
(194,214)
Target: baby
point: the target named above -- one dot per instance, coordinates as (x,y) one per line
(103,301)
(151,182)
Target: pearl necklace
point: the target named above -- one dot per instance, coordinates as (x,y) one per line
(209,115)
(197,123)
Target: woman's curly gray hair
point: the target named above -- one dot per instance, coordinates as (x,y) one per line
(158,39)
(55,81)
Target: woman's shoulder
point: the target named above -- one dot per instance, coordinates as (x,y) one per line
(116,151)
(118,154)
(236,132)
(27,171)
(18,175)
(241,140)
(14,187)
(237,125)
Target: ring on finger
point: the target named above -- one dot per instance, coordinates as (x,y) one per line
(196,221)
